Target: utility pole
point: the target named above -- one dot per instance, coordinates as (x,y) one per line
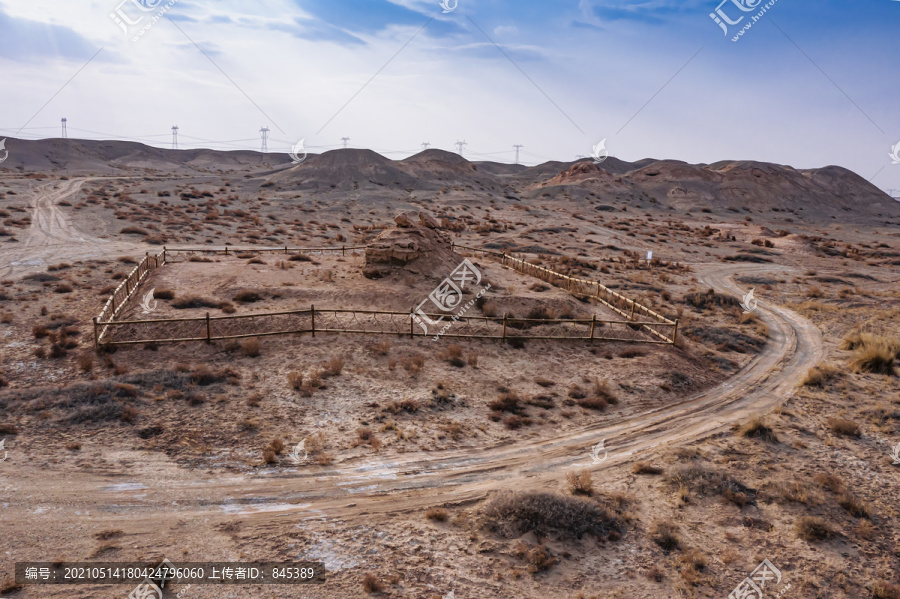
(345,141)
(264,134)
(175,137)
(65,133)
(518,147)
(459,146)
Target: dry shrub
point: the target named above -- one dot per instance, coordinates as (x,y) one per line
(515,422)
(247,297)
(508,402)
(489,309)
(73,446)
(6,318)
(543,382)
(334,366)
(277,445)
(295,379)
(829,481)
(193,301)
(758,429)
(665,534)
(129,414)
(876,357)
(381,349)
(706,481)
(645,468)
(413,364)
(817,376)
(515,514)
(164,294)
(371,584)
(855,506)
(473,359)
(437,514)
(250,347)
(9,429)
(85,362)
(844,428)
(254,400)
(580,483)
(269,456)
(885,590)
(40,331)
(812,529)
(539,558)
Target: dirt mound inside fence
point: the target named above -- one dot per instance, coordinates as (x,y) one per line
(415,246)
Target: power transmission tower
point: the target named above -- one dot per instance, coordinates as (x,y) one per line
(264,134)
(518,147)
(426,145)
(65,133)
(345,140)
(892,192)
(175,137)
(459,146)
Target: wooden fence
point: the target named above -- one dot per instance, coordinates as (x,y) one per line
(656,324)
(654,328)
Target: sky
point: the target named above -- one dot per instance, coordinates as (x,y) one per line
(810,83)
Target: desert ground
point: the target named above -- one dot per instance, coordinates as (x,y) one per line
(458,468)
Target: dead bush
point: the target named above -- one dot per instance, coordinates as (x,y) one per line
(514,514)
(580,483)
(247,297)
(812,529)
(371,584)
(295,379)
(85,362)
(334,366)
(645,468)
(758,429)
(844,428)
(665,534)
(817,376)
(883,589)
(437,514)
(129,414)
(163,294)
(855,506)
(250,347)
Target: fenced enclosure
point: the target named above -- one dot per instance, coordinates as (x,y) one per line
(652,328)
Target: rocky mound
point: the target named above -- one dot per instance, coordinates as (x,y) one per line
(415,246)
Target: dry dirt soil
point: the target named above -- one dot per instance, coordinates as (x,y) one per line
(456,468)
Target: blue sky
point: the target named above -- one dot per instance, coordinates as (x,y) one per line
(811,83)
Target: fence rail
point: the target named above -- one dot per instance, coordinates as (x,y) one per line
(653,328)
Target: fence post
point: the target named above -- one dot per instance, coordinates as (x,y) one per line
(343,250)
(412,331)
(675,333)
(632,309)
(504,328)
(312,311)
(96,339)
(226,250)
(208,331)
(285,249)
(593,324)
(164,255)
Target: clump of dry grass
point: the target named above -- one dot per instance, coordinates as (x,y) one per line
(855,506)
(515,514)
(437,514)
(758,429)
(883,589)
(843,427)
(371,584)
(295,379)
(473,359)
(381,349)
(580,483)
(812,529)
(872,353)
(665,534)
(85,362)
(817,376)
(251,347)
(163,294)
(645,468)
(334,366)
